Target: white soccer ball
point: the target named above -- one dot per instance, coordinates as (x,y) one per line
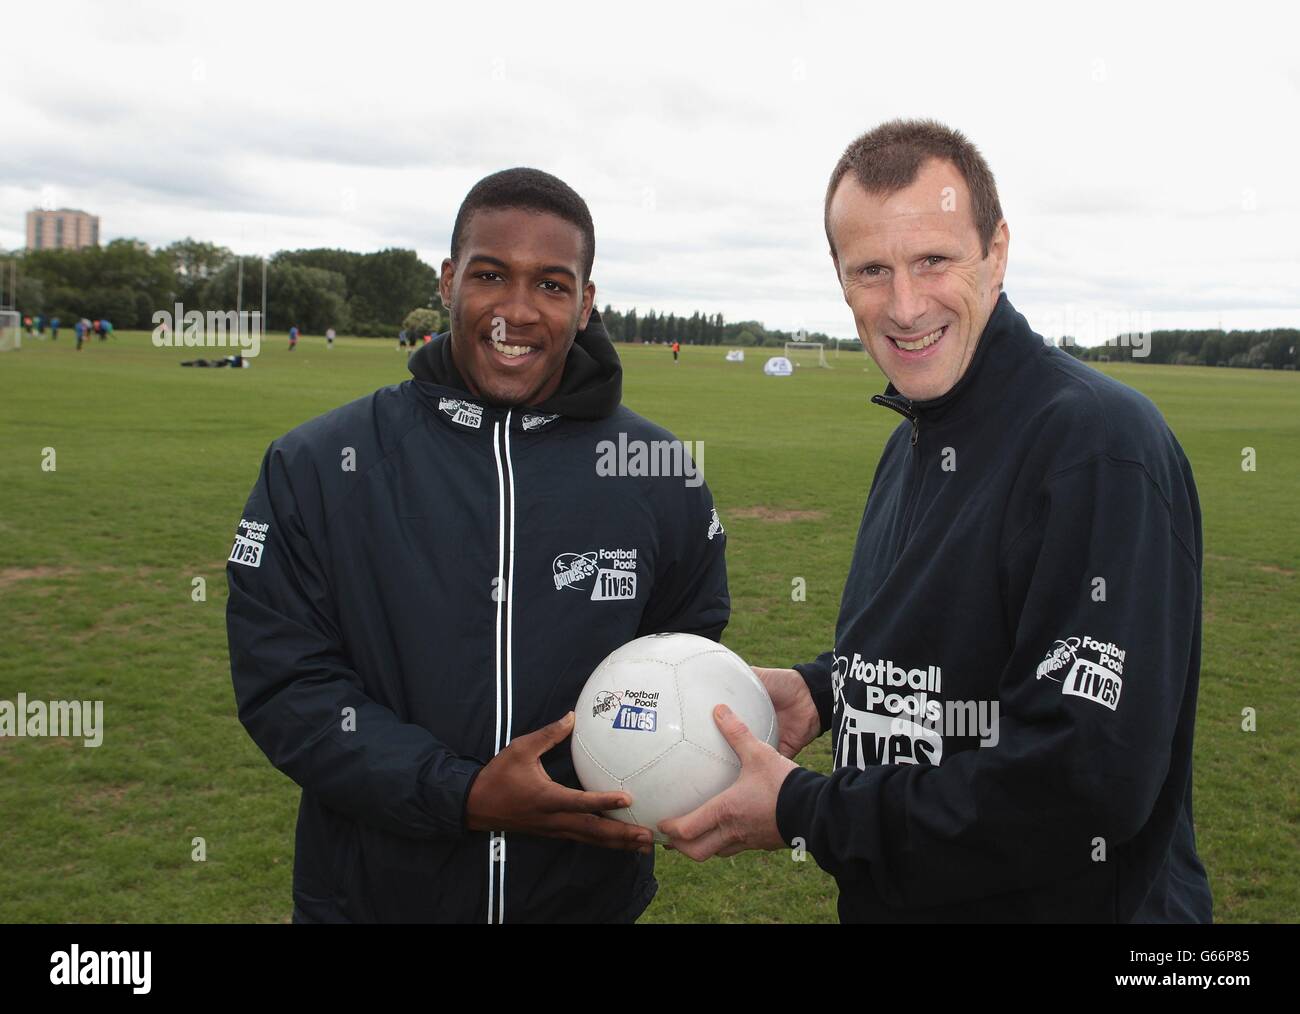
(644,725)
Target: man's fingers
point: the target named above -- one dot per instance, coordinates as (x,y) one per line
(601,831)
(545,738)
(705,847)
(692,825)
(561,799)
(734,730)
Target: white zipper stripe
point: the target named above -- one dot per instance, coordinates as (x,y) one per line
(510,599)
(500,590)
(501,552)
(501,897)
(510,648)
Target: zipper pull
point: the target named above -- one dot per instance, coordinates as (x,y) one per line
(902,406)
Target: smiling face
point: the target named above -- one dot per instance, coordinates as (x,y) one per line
(912,270)
(517,301)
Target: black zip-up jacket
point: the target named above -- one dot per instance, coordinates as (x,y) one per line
(418,578)
(1032,539)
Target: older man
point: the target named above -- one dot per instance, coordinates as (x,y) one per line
(1013,684)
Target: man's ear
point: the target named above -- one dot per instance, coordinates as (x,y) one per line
(445,278)
(588,301)
(998,248)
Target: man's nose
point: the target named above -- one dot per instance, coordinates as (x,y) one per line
(517,306)
(906,304)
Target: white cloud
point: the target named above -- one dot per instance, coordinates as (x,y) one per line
(1145,158)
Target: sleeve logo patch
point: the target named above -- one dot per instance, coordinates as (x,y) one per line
(250,540)
(1095,669)
(715,525)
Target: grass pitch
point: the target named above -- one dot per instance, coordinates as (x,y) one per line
(98,561)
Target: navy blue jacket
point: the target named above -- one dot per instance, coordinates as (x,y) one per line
(418,578)
(1030,555)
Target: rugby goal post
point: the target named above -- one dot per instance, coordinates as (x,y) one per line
(11,330)
(807,354)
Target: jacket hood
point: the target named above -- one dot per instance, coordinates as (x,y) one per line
(590,388)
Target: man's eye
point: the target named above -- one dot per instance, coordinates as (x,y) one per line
(553,286)
(487,276)
(872,270)
(934,259)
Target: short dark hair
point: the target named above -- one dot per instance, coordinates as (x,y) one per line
(888,158)
(528,190)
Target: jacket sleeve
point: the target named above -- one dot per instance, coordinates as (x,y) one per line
(1089,702)
(299,696)
(690,582)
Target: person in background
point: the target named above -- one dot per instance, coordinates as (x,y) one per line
(54,328)
(329,337)
(293,337)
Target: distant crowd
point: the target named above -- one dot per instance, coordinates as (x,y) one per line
(84,328)
(103,329)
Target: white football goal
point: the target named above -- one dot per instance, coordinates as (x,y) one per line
(11,330)
(806,354)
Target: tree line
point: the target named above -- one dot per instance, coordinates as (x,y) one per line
(1272,349)
(127,282)
(697,329)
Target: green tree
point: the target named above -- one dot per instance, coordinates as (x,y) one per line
(423,320)
(193,263)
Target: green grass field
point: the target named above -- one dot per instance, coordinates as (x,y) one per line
(98,559)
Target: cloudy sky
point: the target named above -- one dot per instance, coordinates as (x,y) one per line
(1148,160)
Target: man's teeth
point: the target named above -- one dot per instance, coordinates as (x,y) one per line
(512,350)
(921,343)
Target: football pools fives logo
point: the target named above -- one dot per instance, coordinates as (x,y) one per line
(632,710)
(462,413)
(250,540)
(608,574)
(1094,670)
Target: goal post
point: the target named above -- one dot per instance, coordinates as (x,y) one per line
(11,330)
(807,354)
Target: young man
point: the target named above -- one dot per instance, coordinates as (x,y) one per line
(293,337)
(329,338)
(421,585)
(1013,683)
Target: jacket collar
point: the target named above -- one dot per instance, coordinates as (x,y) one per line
(1006,342)
(591,386)
(457,409)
